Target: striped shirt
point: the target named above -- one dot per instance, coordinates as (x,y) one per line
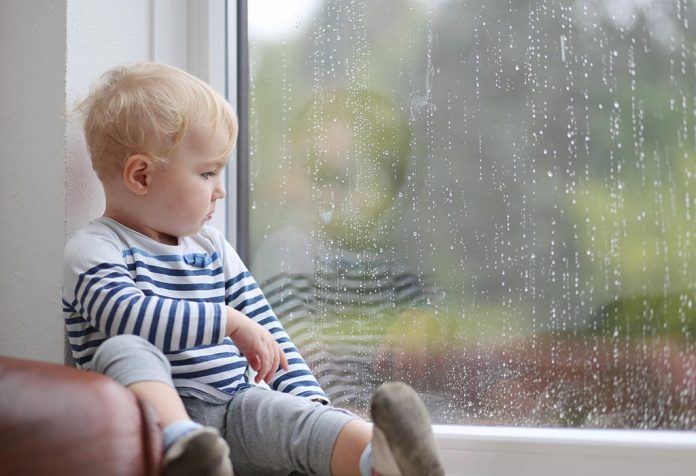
(117,281)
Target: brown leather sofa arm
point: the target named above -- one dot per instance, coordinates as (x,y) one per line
(57,420)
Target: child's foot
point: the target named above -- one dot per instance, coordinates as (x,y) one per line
(402,441)
(200,452)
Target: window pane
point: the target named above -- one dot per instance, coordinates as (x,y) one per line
(493,200)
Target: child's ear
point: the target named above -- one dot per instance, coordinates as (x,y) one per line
(136,173)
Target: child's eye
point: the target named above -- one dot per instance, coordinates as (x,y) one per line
(207,175)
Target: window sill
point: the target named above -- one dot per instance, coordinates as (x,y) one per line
(499,451)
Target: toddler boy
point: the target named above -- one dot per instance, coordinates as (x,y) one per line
(159,301)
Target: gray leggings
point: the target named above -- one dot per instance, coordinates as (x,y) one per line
(269,433)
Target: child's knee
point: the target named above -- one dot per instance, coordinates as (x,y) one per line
(118,350)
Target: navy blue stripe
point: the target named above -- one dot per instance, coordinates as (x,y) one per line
(201,324)
(212,299)
(166,258)
(243,275)
(154,323)
(169,331)
(87,331)
(249,301)
(293,374)
(175,272)
(67,307)
(267,320)
(304,383)
(74,320)
(211,371)
(126,314)
(228,381)
(141,315)
(312,394)
(216,324)
(180,287)
(275,330)
(185,321)
(256,312)
(240,291)
(135,250)
(87,345)
(83,360)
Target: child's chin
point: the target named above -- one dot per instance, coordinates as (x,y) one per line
(183,233)
(192,232)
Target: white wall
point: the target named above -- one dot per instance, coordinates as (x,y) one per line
(32,151)
(100,34)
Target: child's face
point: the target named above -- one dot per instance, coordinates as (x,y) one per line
(183,191)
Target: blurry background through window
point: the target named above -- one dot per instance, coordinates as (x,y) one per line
(493,200)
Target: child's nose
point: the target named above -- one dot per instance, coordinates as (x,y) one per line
(219,191)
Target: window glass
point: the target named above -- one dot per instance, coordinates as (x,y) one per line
(493,200)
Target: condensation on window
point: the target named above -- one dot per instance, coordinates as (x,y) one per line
(492,200)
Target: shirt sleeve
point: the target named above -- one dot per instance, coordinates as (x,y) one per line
(243,294)
(98,287)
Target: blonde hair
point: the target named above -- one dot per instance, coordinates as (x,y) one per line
(147,108)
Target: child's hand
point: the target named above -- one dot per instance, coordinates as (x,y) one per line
(257,344)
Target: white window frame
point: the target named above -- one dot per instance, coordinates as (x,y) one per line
(198,35)
(500,451)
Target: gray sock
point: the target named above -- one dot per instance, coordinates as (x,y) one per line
(176,430)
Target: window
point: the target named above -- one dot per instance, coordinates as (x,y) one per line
(490,200)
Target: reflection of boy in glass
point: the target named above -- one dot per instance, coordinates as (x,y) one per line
(343,288)
(357,151)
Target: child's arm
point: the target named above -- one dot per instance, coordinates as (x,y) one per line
(244,295)
(258,346)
